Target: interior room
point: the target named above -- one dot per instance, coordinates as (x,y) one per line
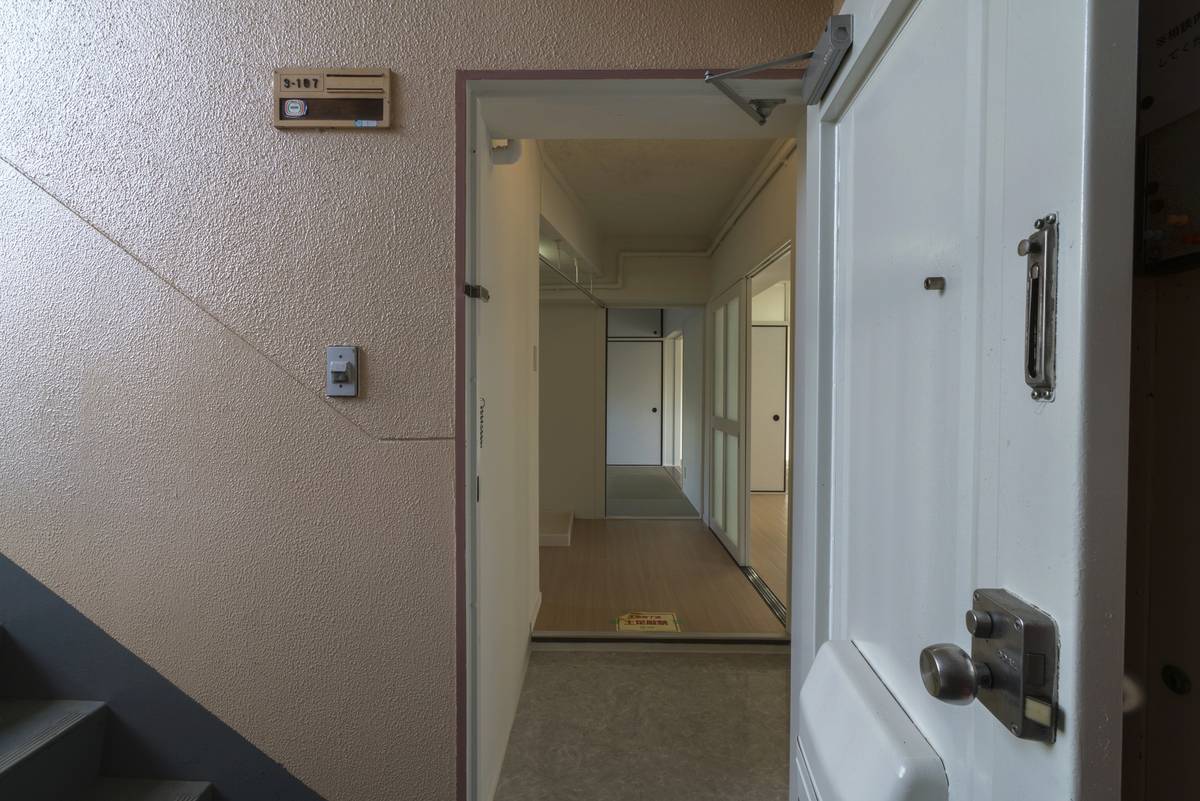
(636,239)
(649,254)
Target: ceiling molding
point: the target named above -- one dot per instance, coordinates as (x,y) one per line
(566,187)
(770,165)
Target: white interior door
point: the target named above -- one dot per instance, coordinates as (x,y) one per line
(926,469)
(634,427)
(504,402)
(727,325)
(768,408)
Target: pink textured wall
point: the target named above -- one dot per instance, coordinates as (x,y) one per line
(171,267)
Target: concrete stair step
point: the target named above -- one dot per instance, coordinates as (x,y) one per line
(148,790)
(49,750)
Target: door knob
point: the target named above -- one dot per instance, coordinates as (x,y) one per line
(775,417)
(950,675)
(654,410)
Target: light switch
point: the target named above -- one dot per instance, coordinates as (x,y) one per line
(341,371)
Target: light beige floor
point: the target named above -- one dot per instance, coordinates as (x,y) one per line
(617,566)
(768,540)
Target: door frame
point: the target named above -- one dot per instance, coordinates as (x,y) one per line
(465,422)
(673,345)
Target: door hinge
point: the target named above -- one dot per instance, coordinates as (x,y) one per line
(476,489)
(478,291)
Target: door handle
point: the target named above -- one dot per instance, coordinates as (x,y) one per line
(775,417)
(949,674)
(1041,278)
(654,410)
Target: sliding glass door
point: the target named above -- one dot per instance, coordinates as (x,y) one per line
(726,429)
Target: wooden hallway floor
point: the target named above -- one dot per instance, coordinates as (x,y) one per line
(769,540)
(613,567)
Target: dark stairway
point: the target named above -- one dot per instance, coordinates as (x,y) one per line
(51,751)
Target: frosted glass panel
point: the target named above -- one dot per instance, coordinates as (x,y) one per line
(718,489)
(725,502)
(731,519)
(733,330)
(719,363)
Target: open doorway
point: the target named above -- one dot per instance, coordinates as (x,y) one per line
(627,264)
(647,398)
(635,236)
(769,410)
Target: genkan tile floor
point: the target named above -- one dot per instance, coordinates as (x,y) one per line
(661,726)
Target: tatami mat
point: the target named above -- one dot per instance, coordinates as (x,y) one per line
(644,491)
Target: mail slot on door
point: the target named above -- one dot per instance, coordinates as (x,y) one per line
(333,98)
(1012,668)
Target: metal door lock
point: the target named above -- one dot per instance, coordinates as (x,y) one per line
(1012,668)
(1041,313)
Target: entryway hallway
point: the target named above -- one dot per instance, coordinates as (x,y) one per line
(618,726)
(614,567)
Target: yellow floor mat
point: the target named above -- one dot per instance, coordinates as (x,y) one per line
(648,621)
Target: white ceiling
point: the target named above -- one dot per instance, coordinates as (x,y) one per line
(657,187)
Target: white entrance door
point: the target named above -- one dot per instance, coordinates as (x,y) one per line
(925,468)
(768,408)
(634,427)
(727,427)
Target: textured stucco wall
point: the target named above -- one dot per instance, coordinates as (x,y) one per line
(167,462)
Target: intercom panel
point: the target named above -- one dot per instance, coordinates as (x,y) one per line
(333,98)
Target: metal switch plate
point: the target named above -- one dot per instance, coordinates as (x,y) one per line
(1018,644)
(1041,313)
(341,371)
